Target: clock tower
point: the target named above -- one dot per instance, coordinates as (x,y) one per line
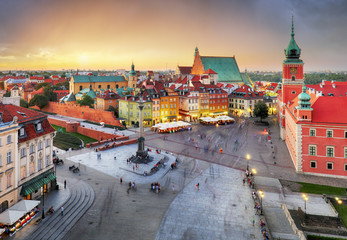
(293,66)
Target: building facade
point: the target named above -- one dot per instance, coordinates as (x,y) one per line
(26,154)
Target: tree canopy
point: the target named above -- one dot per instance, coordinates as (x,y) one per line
(24,103)
(113,109)
(86,101)
(43,84)
(39,100)
(48,92)
(261,110)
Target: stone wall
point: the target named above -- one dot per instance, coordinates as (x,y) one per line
(92,133)
(83,112)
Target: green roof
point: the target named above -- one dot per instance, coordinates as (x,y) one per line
(246,79)
(68,98)
(91,94)
(292,51)
(36,183)
(92,79)
(225,67)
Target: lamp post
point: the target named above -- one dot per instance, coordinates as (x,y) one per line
(43,197)
(305,197)
(261,193)
(248,157)
(339,201)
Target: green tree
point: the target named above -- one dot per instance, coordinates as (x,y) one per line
(261,110)
(7,94)
(48,92)
(124,124)
(39,100)
(43,84)
(62,86)
(24,103)
(113,109)
(86,101)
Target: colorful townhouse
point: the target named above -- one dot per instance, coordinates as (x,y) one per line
(26,155)
(242,101)
(106,99)
(130,113)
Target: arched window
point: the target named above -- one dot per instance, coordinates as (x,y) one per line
(80,88)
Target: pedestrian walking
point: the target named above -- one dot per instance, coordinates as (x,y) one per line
(62,211)
(115,157)
(197,186)
(133,168)
(173,188)
(133,185)
(243,181)
(121,180)
(253,221)
(64,183)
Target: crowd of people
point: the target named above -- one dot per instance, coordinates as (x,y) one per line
(155,187)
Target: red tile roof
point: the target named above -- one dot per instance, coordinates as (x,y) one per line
(210,71)
(185,70)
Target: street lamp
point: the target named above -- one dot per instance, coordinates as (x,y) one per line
(254,171)
(248,157)
(43,197)
(339,201)
(261,193)
(305,197)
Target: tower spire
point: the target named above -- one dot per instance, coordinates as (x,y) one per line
(292,24)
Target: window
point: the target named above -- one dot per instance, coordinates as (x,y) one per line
(345,136)
(48,143)
(32,167)
(39,164)
(329,133)
(329,165)
(47,160)
(38,127)
(313,164)
(165,105)
(153,108)
(9,180)
(22,172)
(9,139)
(108,86)
(80,88)
(22,152)
(9,157)
(312,132)
(31,148)
(312,150)
(40,145)
(345,167)
(99,86)
(21,132)
(293,78)
(330,151)
(117,86)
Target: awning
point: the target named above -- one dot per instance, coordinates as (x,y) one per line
(36,183)
(25,205)
(9,217)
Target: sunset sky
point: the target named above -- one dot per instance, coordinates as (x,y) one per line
(159,34)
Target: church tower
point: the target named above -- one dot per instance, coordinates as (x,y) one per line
(132,82)
(293,66)
(304,109)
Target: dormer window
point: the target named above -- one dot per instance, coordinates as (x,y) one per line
(38,127)
(22,132)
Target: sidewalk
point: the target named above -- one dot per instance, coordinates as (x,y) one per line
(55,198)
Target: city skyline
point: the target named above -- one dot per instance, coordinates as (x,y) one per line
(159,35)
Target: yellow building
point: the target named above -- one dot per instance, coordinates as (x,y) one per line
(80,82)
(8,144)
(169,105)
(26,164)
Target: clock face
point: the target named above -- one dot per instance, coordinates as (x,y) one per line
(293,70)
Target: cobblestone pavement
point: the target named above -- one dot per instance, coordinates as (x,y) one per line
(222,209)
